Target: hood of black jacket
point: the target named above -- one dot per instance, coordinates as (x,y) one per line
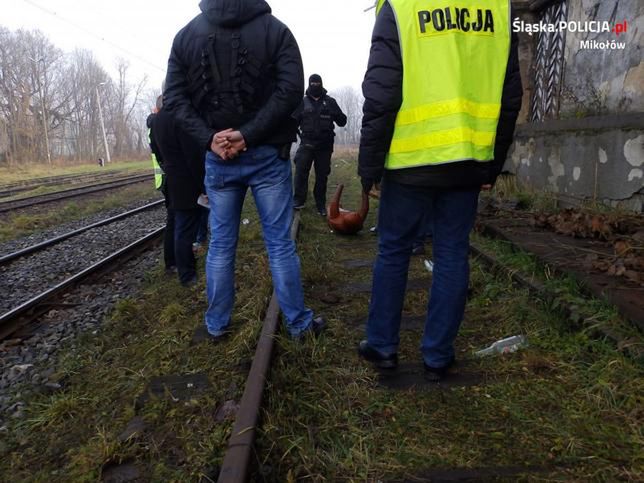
(233,13)
(324,93)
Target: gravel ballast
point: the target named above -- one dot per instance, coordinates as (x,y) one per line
(27,277)
(28,365)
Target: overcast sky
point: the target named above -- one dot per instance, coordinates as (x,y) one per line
(334,35)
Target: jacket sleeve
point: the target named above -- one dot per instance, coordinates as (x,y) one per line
(176,97)
(339,117)
(510,106)
(154,145)
(195,158)
(287,95)
(297,114)
(382,90)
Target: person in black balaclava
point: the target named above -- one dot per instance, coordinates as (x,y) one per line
(316,117)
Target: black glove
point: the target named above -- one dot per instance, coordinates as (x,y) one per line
(367,184)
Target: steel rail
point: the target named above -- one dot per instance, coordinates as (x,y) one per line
(5,260)
(66,177)
(11,189)
(549,297)
(11,321)
(7,206)
(238,458)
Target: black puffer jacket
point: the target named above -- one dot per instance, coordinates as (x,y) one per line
(382,89)
(235,66)
(317,118)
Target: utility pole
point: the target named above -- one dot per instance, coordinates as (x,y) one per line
(42,104)
(100,114)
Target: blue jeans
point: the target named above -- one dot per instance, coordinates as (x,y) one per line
(402,213)
(270,181)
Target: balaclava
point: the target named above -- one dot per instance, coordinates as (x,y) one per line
(316,89)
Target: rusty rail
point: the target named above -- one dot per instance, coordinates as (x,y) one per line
(238,458)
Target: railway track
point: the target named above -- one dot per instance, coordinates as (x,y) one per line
(27,310)
(248,453)
(12,189)
(11,257)
(8,206)
(238,459)
(241,455)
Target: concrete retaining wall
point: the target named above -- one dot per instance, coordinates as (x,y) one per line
(598,158)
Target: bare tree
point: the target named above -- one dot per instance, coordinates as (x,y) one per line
(46,95)
(350,101)
(124,98)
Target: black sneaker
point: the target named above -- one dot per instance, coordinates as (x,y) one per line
(318,325)
(298,206)
(322,213)
(216,339)
(191,282)
(437,374)
(376,358)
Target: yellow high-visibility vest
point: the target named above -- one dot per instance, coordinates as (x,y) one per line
(158,172)
(455,56)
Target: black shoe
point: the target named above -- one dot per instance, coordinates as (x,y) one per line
(372,355)
(322,212)
(190,283)
(437,374)
(318,325)
(298,206)
(171,270)
(216,339)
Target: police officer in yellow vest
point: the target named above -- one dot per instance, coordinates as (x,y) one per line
(442,95)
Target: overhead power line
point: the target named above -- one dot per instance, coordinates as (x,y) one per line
(93,34)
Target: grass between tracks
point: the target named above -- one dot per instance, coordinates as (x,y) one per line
(569,407)
(44,190)
(22,224)
(74,435)
(31,171)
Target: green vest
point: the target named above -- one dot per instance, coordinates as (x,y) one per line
(454,55)
(158,172)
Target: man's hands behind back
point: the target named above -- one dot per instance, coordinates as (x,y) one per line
(228,144)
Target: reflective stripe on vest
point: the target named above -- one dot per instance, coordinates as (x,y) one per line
(454,62)
(158,172)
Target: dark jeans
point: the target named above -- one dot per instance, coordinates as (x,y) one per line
(202,232)
(168,236)
(402,213)
(425,231)
(168,241)
(185,233)
(305,157)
